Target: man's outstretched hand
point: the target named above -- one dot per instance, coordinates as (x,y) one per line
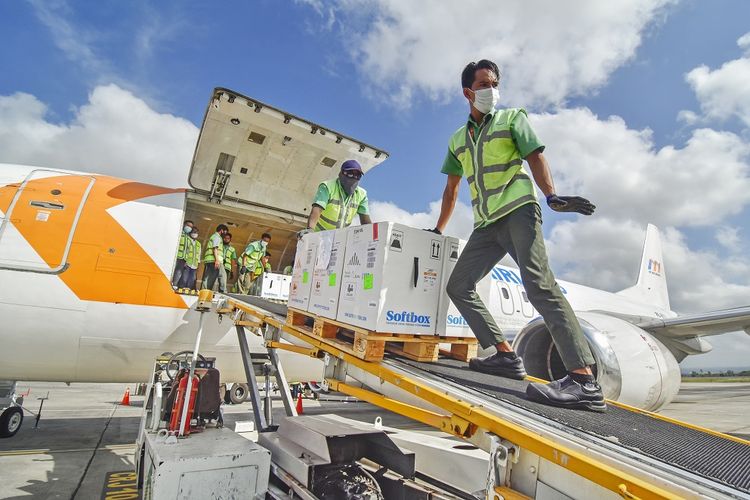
(570,204)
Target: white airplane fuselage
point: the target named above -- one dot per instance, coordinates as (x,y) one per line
(112,309)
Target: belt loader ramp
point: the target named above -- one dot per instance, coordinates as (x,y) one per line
(535,450)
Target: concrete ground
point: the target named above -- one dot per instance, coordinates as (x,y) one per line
(84,435)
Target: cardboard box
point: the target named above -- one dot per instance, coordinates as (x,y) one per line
(326,276)
(286,283)
(450,322)
(392,279)
(270,286)
(304,260)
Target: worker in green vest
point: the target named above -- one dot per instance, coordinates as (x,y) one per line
(248,262)
(489,150)
(337,201)
(192,261)
(230,256)
(180,267)
(213,259)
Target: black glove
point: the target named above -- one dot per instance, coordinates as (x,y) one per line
(303,232)
(570,204)
(434,230)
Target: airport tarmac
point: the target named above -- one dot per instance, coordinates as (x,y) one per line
(85,438)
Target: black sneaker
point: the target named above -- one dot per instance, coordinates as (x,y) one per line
(568,393)
(504,366)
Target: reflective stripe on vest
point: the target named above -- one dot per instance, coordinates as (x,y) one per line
(181,249)
(192,253)
(230,254)
(493,168)
(341,209)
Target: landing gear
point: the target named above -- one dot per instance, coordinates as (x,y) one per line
(11,417)
(10,421)
(238,393)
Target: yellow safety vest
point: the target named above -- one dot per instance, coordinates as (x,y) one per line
(493,167)
(341,209)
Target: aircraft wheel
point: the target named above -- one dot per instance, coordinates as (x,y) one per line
(239,393)
(10,421)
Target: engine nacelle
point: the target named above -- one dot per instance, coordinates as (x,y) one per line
(632,366)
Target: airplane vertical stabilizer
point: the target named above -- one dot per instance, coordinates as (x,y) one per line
(652,281)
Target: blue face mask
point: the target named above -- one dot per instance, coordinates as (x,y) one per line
(187,229)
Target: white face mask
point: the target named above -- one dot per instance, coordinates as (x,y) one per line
(485,100)
(194,235)
(263,244)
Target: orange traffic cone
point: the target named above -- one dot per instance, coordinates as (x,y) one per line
(126,398)
(299,403)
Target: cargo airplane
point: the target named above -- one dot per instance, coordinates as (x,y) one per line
(86,262)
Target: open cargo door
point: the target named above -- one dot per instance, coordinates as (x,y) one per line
(257,168)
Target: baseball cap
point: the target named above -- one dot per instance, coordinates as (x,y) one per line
(351,165)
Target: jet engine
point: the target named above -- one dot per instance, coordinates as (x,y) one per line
(632,366)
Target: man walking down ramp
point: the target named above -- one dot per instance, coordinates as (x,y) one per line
(489,151)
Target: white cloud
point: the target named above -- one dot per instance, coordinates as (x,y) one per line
(404,49)
(724,93)
(729,238)
(115,133)
(460,224)
(626,177)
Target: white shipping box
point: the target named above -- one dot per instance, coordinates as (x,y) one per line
(391,279)
(450,322)
(304,260)
(270,285)
(326,276)
(286,283)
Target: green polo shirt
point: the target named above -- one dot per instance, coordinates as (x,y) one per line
(520,129)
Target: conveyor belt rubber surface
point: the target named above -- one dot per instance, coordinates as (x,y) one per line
(713,457)
(708,455)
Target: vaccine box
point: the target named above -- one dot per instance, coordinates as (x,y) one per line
(326,276)
(286,283)
(391,279)
(304,260)
(270,285)
(450,322)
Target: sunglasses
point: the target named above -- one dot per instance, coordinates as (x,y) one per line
(353,174)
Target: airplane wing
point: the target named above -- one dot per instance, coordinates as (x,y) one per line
(701,324)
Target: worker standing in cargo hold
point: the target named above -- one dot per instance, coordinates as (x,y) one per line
(180,266)
(249,261)
(213,259)
(489,150)
(338,201)
(192,261)
(230,256)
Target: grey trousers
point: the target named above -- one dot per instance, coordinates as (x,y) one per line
(519,234)
(210,274)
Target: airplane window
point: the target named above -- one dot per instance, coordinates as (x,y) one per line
(525,297)
(506,295)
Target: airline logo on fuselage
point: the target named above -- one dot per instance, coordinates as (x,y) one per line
(654,267)
(510,276)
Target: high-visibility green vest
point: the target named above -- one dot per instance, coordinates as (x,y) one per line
(493,167)
(184,240)
(341,209)
(192,254)
(252,255)
(214,241)
(230,254)
(259,268)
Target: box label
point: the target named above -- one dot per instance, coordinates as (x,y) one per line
(305,276)
(368,281)
(397,241)
(332,279)
(435,249)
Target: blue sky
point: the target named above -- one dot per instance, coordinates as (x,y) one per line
(387,72)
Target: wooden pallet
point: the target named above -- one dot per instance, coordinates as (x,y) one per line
(371,346)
